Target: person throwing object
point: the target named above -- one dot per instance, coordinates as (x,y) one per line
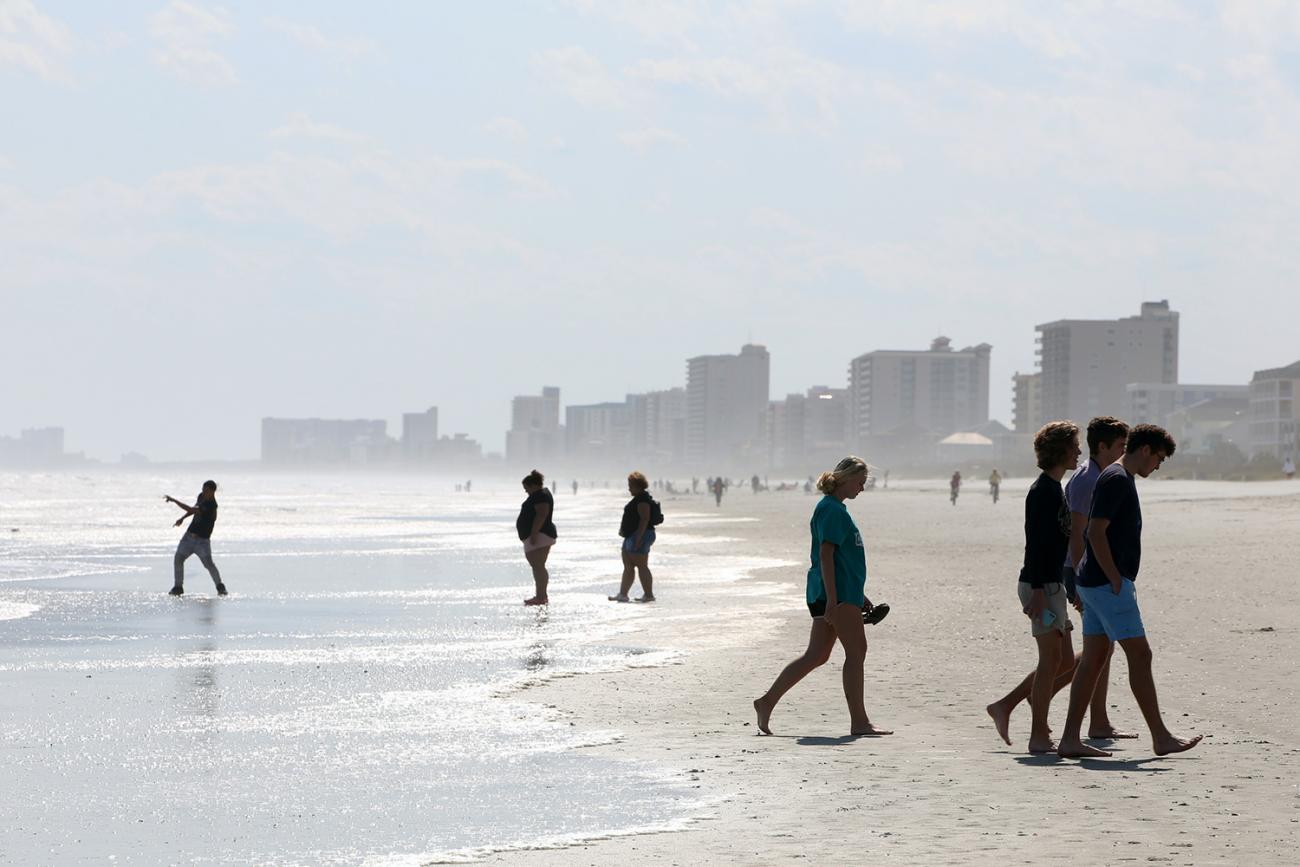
(197,538)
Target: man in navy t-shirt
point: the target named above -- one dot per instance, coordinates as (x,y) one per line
(1109,595)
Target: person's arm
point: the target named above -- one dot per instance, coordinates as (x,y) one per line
(643,514)
(541,512)
(188,510)
(1040,523)
(826,553)
(1078,524)
(1101,553)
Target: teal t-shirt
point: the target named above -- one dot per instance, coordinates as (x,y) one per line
(831,522)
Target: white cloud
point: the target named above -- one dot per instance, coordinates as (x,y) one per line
(310,36)
(643,140)
(185,33)
(299,125)
(507,128)
(32,40)
(582,76)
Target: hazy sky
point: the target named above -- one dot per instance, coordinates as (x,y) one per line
(212,213)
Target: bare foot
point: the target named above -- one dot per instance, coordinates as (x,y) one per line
(1109,733)
(646,598)
(764,716)
(869,731)
(1077,749)
(536,600)
(1042,745)
(619,598)
(1172,744)
(1001,720)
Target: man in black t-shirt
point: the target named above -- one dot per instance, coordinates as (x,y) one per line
(1106,587)
(197,538)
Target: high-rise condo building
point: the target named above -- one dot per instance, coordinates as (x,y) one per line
(1274,424)
(534,434)
(419,435)
(1086,364)
(938,390)
(1027,402)
(726,407)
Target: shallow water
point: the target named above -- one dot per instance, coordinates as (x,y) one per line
(355,700)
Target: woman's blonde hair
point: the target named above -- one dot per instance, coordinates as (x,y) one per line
(636,477)
(851,466)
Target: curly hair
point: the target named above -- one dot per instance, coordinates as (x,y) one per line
(847,468)
(1053,441)
(1151,435)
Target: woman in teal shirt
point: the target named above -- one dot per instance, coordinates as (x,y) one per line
(836,596)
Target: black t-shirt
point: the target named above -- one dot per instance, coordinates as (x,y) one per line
(632,520)
(205,518)
(1115,499)
(528,513)
(1047,532)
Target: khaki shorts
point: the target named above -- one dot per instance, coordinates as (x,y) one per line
(1055,603)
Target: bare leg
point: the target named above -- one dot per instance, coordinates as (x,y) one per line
(629,575)
(1001,709)
(821,640)
(1143,684)
(642,562)
(849,629)
(1096,648)
(1099,724)
(1049,660)
(541,577)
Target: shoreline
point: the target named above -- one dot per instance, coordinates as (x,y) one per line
(947,789)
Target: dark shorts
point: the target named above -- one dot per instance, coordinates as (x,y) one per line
(647,539)
(818,608)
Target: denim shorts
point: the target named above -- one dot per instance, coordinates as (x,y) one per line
(647,539)
(1114,615)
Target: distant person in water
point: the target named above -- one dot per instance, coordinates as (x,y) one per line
(995,485)
(197,538)
(954,486)
(1288,467)
(536,528)
(575,487)
(718,488)
(1107,588)
(836,597)
(638,532)
(1040,589)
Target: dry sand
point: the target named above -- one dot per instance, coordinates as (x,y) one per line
(1222,607)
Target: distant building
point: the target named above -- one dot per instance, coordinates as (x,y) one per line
(1274,425)
(1152,402)
(34,447)
(938,390)
(726,408)
(534,436)
(1027,402)
(419,435)
(1210,424)
(658,421)
(457,450)
(810,428)
(598,433)
(287,441)
(1086,364)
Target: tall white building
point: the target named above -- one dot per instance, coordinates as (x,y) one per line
(808,428)
(1086,364)
(726,407)
(1274,423)
(939,390)
(598,433)
(658,425)
(534,434)
(1027,402)
(419,435)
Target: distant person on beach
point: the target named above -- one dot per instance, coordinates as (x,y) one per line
(637,529)
(197,538)
(1288,467)
(1041,593)
(954,486)
(836,597)
(718,488)
(575,487)
(754,483)
(536,528)
(995,484)
(1106,438)
(1106,587)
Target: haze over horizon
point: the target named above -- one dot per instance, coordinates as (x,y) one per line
(215,213)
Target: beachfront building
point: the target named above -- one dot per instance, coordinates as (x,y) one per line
(598,434)
(726,408)
(296,441)
(1274,425)
(658,425)
(419,435)
(1026,402)
(534,436)
(808,429)
(1215,425)
(1152,402)
(900,393)
(33,447)
(1087,364)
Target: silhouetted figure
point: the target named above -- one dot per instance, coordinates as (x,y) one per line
(718,487)
(695,484)
(954,486)
(1288,467)
(575,487)
(197,538)
(536,528)
(469,484)
(753,482)
(995,484)
(640,516)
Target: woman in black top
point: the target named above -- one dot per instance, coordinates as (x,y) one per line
(638,535)
(537,532)
(1042,596)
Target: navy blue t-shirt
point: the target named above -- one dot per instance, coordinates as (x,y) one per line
(205,518)
(1115,499)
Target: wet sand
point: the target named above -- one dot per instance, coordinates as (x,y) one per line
(1221,602)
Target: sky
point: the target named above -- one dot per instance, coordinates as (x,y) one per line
(214,213)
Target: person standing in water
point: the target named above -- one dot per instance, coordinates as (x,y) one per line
(197,538)
(536,528)
(836,596)
(718,488)
(954,486)
(638,531)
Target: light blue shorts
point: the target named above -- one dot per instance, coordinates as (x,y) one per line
(647,539)
(1114,615)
